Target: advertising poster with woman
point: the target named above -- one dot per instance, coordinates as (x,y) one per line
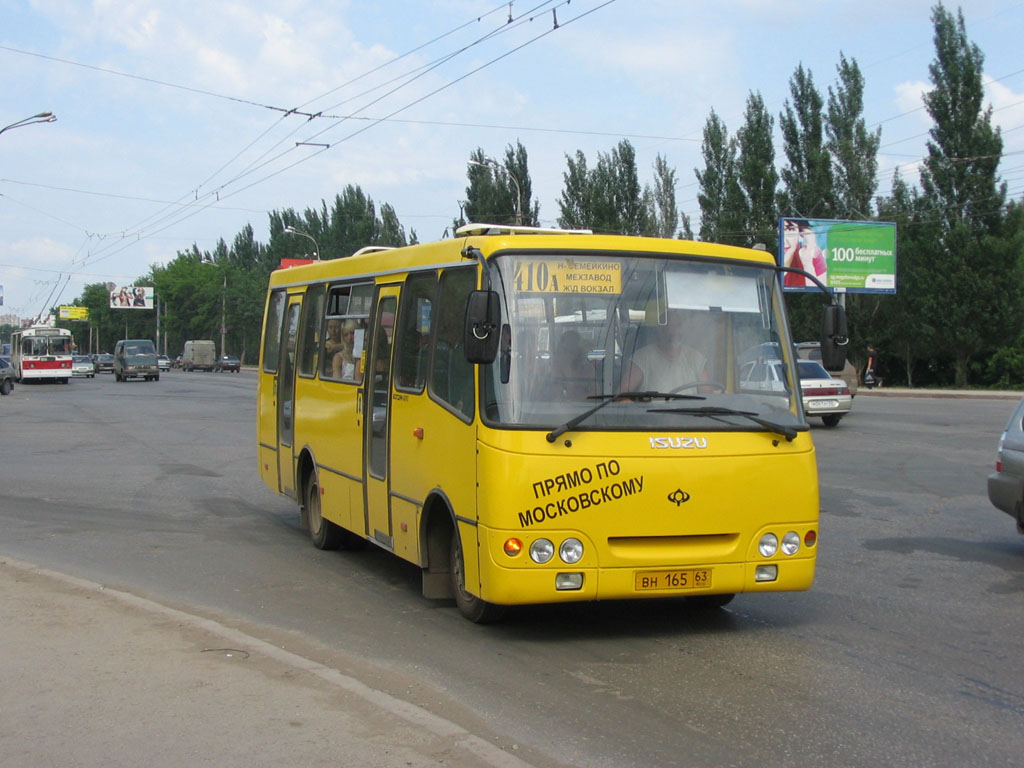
(131,296)
(847,256)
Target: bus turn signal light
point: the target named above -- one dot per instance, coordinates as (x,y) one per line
(513,547)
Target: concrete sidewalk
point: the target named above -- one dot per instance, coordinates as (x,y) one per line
(989,394)
(91,676)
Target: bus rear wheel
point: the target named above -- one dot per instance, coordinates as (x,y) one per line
(323,533)
(472,607)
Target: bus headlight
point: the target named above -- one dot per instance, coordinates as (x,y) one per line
(791,543)
(571,551)
(541,551)
(768,545)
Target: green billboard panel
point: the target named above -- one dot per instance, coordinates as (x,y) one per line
(846,256)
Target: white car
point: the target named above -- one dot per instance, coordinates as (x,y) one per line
(82,365)
(164,362)
(822,394)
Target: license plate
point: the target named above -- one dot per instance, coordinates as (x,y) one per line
(824,403)
(690,578)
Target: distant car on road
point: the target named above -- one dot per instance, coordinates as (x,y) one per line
(1006,484)
(811,350)
(82,365)
(164,362)
(104,363)
(822,394)
(6,376)
(229,363)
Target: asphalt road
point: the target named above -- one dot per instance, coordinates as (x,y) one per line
(903,653)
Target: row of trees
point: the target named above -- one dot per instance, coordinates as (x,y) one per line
(956,318)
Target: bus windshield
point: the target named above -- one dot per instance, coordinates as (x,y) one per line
(665,343)
(41,346)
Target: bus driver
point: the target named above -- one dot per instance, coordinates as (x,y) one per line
(666,365)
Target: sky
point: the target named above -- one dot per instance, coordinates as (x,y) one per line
(181,123)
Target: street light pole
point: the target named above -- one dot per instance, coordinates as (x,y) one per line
(316,248)
(223,303)
(223,315)
(490,162)
(42,117)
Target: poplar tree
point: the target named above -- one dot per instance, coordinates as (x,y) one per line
(665,214)
(907,325)
(853,148)
(975,271)
(495,194)
(609,197)
(756,174)
(720,197)
(807,176)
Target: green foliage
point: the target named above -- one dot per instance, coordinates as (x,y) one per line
(756,174)
(499,193)
(975,268)
(807,178)
(854,149)
(722,204)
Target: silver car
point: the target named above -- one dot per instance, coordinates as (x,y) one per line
(1006,484)
(82,365)
(823,395)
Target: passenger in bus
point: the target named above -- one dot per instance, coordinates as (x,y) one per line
(571,376)
(343,361)
(668,364)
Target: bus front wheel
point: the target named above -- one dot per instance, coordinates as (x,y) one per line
(472,607)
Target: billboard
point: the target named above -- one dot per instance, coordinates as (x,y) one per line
(74,313)
(847,256)
(131,297)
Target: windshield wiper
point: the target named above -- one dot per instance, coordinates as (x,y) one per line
(787,432)
(605,399)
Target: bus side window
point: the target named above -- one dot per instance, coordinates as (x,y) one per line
(451,377)
(272,334)
(309,331)
(416,321)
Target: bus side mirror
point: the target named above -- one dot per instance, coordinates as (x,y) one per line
(834,338)
(483,323)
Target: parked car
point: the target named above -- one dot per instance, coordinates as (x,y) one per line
(811,350)
(1006,484)
(6,376)
(822,394)
(82,365)
(104,362)
(229,363)
(176,362)
(164,362)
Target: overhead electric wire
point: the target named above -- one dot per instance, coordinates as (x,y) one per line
(170,215)
(195,208)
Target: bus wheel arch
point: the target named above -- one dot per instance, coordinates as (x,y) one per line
(444,576)
(436,528)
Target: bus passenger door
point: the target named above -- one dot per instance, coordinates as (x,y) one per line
(377,378)
(286,399)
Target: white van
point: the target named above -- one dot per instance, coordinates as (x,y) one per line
(199,355)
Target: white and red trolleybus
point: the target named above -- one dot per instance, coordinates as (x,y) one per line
(41,353)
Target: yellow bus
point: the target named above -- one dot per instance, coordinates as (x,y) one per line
(544,416)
